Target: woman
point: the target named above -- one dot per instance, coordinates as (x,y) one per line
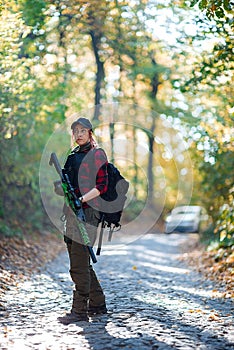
(86,167)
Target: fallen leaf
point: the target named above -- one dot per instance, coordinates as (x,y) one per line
(213,317)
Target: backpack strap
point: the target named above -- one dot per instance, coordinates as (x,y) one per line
(101,235)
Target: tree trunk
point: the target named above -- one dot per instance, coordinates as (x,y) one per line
(112,136)
(150,162)
(100,74)
(153,95)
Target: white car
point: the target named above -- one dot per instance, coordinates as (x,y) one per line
(190,218)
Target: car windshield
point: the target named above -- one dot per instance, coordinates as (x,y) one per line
(184,211)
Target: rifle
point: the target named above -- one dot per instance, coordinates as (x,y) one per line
(73,201)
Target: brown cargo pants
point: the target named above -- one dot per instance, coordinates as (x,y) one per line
(87,287)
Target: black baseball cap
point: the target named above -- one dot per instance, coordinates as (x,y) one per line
(82,121)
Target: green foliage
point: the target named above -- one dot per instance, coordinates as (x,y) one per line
(221,233)
(213,8)
(213,156)
(216,245)
(211,82)
(215,70)
(7,230)
(33,12)
(225,223)
(29,108)
(218,185)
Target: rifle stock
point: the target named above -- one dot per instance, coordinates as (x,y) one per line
(54,161)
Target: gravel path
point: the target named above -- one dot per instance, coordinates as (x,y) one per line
(154,300)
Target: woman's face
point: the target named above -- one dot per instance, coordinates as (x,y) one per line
(81,135)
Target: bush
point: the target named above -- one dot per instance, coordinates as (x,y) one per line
(224,227)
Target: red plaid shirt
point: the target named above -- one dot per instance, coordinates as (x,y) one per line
(87,169)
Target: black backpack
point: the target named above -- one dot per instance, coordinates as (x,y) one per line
(112,203)
(113,200)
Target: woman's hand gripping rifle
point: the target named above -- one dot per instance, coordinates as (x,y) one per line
(73,201)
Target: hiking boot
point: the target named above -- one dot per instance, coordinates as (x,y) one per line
(73,317)
(97,310)
(79,303)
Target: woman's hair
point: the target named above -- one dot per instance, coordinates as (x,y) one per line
(93,142)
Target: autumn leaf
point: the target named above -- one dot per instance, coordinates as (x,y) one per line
(213,317)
